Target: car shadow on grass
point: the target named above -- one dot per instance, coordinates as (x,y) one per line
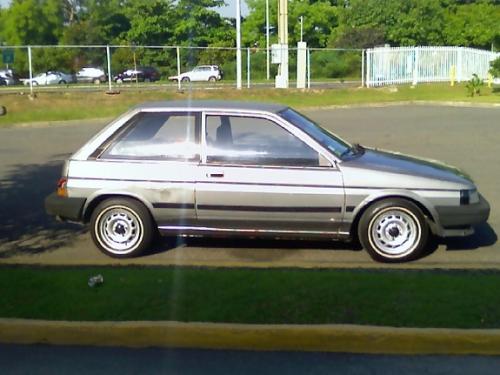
(25,228)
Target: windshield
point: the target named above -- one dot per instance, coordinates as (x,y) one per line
(328,140)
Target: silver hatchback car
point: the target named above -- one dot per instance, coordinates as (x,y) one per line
(229,168)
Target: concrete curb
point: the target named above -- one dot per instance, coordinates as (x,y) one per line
(324,338)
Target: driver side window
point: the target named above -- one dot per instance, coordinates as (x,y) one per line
(255,141)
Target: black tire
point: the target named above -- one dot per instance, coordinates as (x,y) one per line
(115,220)
(212,79)
(62,82)
(393,230)
(96,81)
(185,79)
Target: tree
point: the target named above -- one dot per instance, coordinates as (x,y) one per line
(198,24)
(32,22)
(357,37)
(152,22)
(475,25)
(407,22)
(319,16)
(495,68)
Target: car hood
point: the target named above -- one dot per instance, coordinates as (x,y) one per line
(394,163)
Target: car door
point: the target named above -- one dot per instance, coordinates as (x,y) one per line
(154,158)
(261,174)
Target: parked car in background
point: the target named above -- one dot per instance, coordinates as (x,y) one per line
(9,76)
(247,169)
(91,75)
(50,78)
(142,74)
(210,73)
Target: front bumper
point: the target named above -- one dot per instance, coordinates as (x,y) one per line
(65,208)
(462,217)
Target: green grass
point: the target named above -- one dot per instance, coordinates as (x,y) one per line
(460,299)
(53,106)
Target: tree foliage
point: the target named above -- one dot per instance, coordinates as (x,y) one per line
(196,23)
(319,18)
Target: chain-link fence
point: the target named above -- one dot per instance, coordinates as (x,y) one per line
(40,67)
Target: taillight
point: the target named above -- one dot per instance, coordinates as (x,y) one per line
(62,191)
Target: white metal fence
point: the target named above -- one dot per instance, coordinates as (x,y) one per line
(397,65)
(326,67)
(336,66)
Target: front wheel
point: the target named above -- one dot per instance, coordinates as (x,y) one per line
(185,79)
(393,230)
(122,227)
(212,79)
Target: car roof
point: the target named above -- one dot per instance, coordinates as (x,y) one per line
(214,104)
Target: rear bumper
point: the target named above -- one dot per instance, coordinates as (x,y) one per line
(65,208)
(463,217)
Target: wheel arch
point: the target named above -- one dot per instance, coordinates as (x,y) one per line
(94,201)
(427,210)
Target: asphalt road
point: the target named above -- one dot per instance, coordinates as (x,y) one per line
(43,359)
(31,158)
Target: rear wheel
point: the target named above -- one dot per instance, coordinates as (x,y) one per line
(393,230)
(96,81)
(185,79)
(212,79)
(62,82)
(122,227)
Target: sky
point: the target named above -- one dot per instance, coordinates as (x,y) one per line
(228,11)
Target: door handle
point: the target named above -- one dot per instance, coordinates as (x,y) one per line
(219,174)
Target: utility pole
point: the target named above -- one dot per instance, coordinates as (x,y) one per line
(282,77)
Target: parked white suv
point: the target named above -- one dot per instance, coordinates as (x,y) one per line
(89,74)
(210,73)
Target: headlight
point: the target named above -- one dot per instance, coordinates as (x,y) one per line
(468,197)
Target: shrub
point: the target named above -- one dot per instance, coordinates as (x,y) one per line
(474,85)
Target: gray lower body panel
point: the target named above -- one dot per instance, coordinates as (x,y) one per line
(460,217)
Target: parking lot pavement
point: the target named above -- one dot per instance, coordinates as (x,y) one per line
(31,158)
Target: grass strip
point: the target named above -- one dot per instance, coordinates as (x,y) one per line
(452,299)
(60,106)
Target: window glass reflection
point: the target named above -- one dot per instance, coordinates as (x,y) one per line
(255,141)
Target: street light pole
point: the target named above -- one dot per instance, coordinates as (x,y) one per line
(238,44)
(267,40)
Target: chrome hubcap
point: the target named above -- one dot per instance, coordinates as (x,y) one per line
(120,230)
(395,232)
